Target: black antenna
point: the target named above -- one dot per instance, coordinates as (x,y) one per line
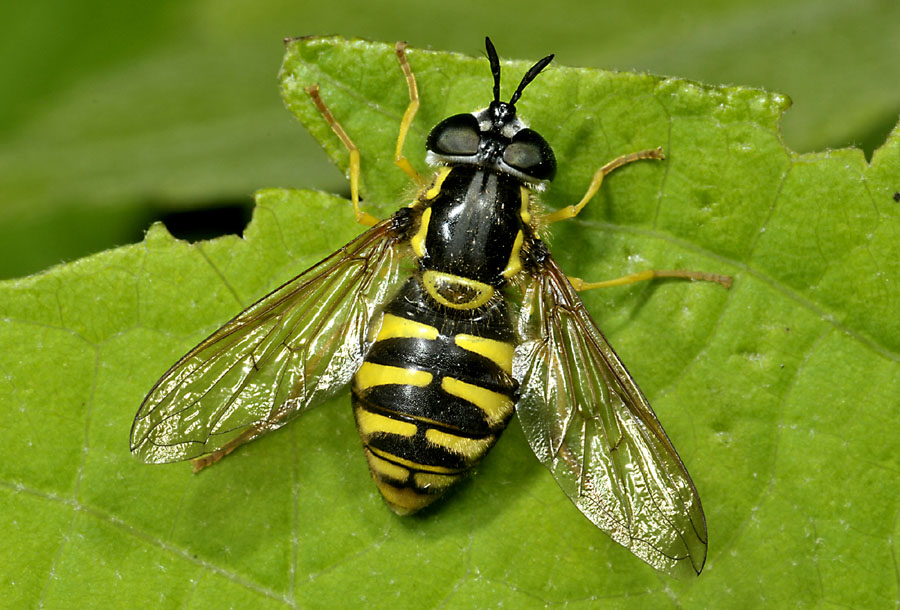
(495,66)
(495,70)
(529,76)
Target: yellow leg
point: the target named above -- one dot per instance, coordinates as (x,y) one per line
(361,217)
(573,210)
(401,161)
(580,285)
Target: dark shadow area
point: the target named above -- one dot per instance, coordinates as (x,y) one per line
(208,222)
(876,135)
(75,231)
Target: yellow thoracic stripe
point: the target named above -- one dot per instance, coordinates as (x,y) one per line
(497,407)
(435,189)
(370,374)
(373,423)
(414,465)
(418,240)
(515,260)
(387,469)
(525,213)
(468,448)
(395,327)
(499,352)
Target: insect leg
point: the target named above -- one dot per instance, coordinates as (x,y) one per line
(401,161)
(198,464)
(651,274)
(272,423)
(573,210)
(363,218)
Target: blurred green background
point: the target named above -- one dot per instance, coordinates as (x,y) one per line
(113,114)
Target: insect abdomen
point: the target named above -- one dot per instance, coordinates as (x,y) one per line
(433,395)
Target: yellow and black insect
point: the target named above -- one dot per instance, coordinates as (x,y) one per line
(439,356)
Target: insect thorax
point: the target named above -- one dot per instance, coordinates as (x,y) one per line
(470,234)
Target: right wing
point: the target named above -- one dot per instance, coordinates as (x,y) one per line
(287,352)
(587,421)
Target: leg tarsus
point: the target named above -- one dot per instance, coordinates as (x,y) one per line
(198,464)
(572,211)
(255,431)
(399,159)
(651,274)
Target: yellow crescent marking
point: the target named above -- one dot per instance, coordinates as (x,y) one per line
(436,282)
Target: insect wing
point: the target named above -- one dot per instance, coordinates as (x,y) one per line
(588,422)
(287,352)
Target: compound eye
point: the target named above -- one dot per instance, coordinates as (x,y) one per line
(455,136)
(530,154)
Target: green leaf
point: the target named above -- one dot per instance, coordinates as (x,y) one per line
(780,394)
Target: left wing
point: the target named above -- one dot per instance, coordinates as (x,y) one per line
(588,422)
(287,352)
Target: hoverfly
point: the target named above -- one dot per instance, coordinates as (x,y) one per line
(482,324)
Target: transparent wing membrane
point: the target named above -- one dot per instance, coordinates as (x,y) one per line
(288,352)
(589,424)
